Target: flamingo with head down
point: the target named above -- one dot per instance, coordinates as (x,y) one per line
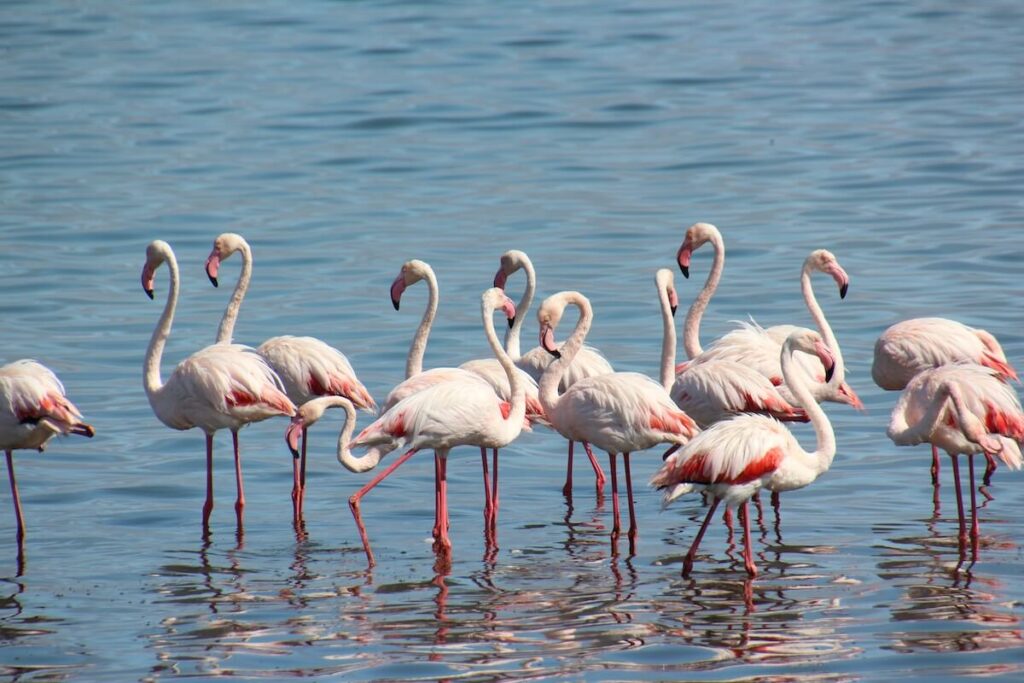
(589,362)
(307,366)
(222,386)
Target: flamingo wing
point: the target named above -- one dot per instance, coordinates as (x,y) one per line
(309,367)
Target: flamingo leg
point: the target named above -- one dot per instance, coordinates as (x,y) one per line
(494,491)
(959,503)
(443,543)
(436,532)
(296,487)
(17,499)
(727,519)
(692,552)
(488,512)
(567,489)
(302,475)
(990,468)
(935,466)
(240,500)
(598,472)
(975,527)
(629,499)
(353,502)
(748,554)
(615,497)
(208,505)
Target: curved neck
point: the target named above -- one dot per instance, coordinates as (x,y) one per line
(227,322)
(151,368)
(691,330)
(797,384)
(839,373)
(512,335)
(345,457)
(414,363)
(548,388)
(668,341)
(514,422)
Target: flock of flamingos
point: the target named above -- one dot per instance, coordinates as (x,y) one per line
(722,411)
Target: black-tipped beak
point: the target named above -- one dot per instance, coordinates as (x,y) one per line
(213,280)
(673,309)
(556,353)
(149,293)
(511,322)
(394,302)
(829,372)
(843,290)
(685,270)
(295,452)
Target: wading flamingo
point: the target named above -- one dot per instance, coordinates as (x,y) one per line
(734,458)
(439,417)
(222,386)
(620,412)
(588,362)
(912,346)
(963,409)
(33,410)
(307,366)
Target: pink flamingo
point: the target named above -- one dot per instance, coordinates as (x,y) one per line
(716,389)
(307,366)
(439,417)
(734,458)
(966,409)
(222,386)
(588,362)
(620,412)
(33,409)
(488,370)
(912,346)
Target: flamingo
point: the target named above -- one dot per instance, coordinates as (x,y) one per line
(620,412)
(307,366)
(220,386)
(440,417)
(734,458)
(963,408)
(588,362)
(912,346)
(488,370)
(716,389)
(33,409)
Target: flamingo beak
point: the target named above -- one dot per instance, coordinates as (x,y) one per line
(500,278)
(828,359)
(397,287)
(213,266)
(841,278)
(291,435)
(547,341)
(83,429)
(510,311)
(147,281)
(673,301)
(683,257)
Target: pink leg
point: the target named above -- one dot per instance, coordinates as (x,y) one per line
(443,543)
(727,518)
(567,489)
(494,491)
(296,488)
(959,502)
(748,554)
(990,468)
(240,500)
(208,505)
(353,502)
(629,499)
(598,472)
(488,511)
(436,533)
(975,527)
(17,499)
(302,475)
(692,552)
(935,466)
(615,497)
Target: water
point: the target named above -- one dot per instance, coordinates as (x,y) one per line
(343,138)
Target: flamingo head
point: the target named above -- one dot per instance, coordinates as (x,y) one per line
(810,341)
(224,246)
(663,280)
(824,261)
(696,235)
(412,272)
(548,316)
(495,299)
(156,253)
(511,261)
(291,435)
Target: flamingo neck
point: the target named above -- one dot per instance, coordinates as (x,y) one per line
(414,363)
(345,457)
(512,335)
(514,422)
(154,353)
(691,329)
(797,383)
(547,389)
(668,341)
(227,322)
(818,315)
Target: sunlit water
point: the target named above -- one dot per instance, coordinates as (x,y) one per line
(344,138)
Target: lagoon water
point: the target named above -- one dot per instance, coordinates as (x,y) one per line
(343,138)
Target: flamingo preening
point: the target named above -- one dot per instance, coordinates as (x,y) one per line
(222,386)
(589,362)
(734,458)
(307,366)
(619,412)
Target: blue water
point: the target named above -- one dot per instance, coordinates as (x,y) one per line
(343,138)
